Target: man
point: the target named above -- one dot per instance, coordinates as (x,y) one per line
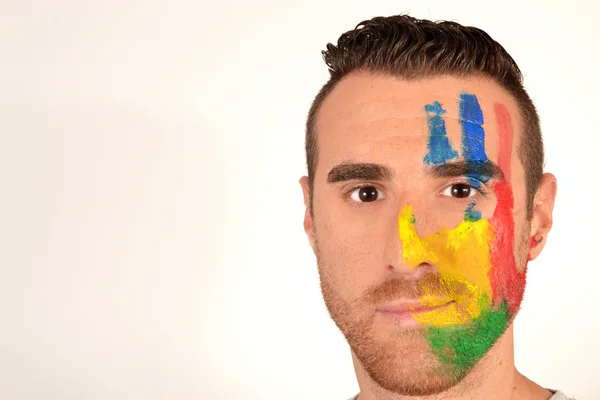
(425,200)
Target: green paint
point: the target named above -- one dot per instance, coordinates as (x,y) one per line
(460,347)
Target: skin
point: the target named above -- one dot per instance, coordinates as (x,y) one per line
(366,258)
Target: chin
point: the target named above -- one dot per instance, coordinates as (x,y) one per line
(414,361)
(402,362)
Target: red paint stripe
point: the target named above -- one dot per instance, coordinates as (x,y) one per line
(506,281)
(505,134)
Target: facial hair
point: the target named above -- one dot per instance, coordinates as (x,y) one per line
(398,360)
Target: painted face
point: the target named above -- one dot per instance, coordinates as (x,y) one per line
(478,288)
(420,227)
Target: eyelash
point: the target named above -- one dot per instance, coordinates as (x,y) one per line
(349,192)
(480,192)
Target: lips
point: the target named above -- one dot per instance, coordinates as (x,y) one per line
(408,308)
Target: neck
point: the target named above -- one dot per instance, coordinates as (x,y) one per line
(494,377)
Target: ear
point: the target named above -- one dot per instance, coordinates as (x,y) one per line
(541,221)
(308,218)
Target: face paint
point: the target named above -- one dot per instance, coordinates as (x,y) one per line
(471,119)
(440,149)
(472,215)
(507,281)
(478,277)
(462,259)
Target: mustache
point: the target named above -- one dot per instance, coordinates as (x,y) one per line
(430,284)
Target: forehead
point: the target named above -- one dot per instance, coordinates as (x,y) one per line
(381,118)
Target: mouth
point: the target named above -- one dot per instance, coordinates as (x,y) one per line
(405,310)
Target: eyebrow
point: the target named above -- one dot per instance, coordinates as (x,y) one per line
(347,171)
(482,169)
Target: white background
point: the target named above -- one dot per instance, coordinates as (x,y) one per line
(151,242)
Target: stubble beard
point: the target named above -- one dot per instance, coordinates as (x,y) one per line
(398,360)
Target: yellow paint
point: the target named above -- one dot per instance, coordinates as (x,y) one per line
(462,258)
(414,250)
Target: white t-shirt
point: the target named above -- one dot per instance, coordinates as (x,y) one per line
(558,395)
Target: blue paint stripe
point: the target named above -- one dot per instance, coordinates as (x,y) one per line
(472,215)
(476,179)
(473,135)
(440,149)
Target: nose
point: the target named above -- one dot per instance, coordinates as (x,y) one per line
(406,253)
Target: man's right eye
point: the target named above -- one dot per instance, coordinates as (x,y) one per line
(366,194)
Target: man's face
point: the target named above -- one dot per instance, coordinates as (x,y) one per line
(419,223)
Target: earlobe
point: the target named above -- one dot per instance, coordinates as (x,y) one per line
(308,218)
(541,221)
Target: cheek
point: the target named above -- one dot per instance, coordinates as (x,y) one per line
(464,265)
(348,252)
(461,253)
(467,253)
(508,281)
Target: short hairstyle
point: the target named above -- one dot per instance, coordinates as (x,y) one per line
(410,48)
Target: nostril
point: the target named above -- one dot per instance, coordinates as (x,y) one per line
(417,272)
(424,268)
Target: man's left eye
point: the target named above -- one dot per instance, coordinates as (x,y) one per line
(460,191)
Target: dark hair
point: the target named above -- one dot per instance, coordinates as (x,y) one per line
(406,47)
